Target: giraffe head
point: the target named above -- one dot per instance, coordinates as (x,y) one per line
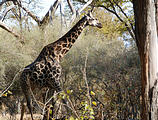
(91,21)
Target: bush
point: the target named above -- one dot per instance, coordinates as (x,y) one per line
(111,71)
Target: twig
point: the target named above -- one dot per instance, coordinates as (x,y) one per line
(8,29)
(6,11)
(45,19)
(4,1)
(35,99)
(75,13)
(85,77)
(43,113)
(6,89)
(72,8)
(73,108)
(88,3)
(52,98)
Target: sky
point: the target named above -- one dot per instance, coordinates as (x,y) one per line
(46,5)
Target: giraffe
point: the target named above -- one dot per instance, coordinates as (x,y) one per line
(45,71)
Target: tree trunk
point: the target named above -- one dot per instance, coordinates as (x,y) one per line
(153,61)
(147,43)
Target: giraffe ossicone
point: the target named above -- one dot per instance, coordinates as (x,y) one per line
(45,71)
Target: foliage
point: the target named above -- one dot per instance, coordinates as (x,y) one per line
(112,70)
(112,73)
(122,11)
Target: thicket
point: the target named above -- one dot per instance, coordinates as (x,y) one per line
(101,76)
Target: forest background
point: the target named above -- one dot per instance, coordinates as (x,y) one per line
(102,70)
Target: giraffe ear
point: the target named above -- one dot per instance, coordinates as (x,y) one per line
(92,9)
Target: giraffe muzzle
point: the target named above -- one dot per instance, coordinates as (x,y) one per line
(99,25)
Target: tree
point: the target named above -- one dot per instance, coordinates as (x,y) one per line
(121,9)
(19,11)
(147,43)
(145,35)
(144,32)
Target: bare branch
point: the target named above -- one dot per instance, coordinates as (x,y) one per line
(30,13)
(86,5)
(45,19)
(106,8)
(3,26)
(130,30)
(7,88)
(14,11)
(6,11)
(76,13)
(85,78)
(72,8)
(73,108)
(3,1)
(51,10)
(124,14)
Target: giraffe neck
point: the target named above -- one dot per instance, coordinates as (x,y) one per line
(63,45)
(74,32)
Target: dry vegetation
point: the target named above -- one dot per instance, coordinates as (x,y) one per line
(100,75)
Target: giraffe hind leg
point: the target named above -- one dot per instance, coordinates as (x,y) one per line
(27,92)
(22,109)
(29,104)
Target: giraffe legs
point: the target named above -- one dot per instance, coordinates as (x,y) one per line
(25,85)
(23,107)
(29,104)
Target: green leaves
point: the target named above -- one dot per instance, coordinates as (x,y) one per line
(92,93)
(87,110)
(6,93)
(94,103)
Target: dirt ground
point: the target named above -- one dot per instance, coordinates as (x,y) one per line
(17,117)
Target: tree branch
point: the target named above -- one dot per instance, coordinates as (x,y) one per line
(77,12)
(45,19)
(7,88)
(124,15)
(88,3)
(30,14)
(72,8)
(126,25)
(3,1)
(129,28)
(5,12)
(106,8)
(3,26)
(51,10)
(63,19)
(85,78)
